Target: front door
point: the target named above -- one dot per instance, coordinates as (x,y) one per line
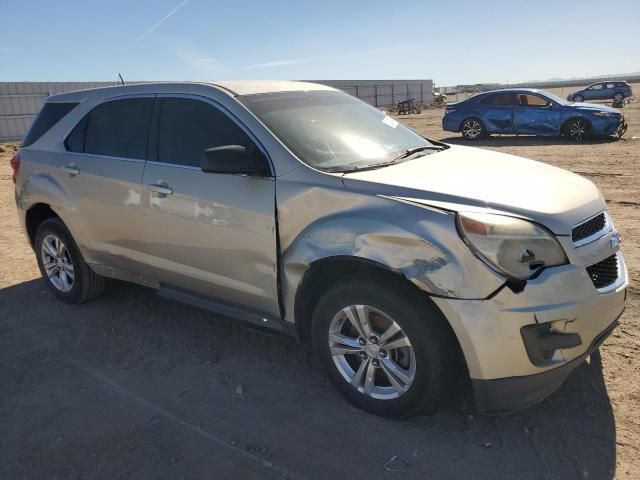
(213,235)
(536,115)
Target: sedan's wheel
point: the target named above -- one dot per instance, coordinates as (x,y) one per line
(578,98)
(61,264)
(472,129)
(386,349)
(618,98)
(371,352)
(578,130)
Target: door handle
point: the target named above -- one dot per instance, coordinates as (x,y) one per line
(159,190)
(72,169)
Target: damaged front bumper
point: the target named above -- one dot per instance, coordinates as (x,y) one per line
(520,347)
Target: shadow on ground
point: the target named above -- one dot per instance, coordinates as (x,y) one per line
(135,386)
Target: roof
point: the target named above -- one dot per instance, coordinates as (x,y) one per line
(251,87)
(231,87)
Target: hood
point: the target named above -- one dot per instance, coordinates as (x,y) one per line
(465,178)
(594,107)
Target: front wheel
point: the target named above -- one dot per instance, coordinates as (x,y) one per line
(618,98)
(578,98)
(472,129)
(386,351)
(578,130)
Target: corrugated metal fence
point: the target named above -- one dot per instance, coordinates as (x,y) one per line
(385,93)
(20,102)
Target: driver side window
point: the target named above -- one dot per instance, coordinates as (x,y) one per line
(187,127)
(525,100)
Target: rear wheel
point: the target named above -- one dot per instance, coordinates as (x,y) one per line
(578,130)
(578,98)
(618,98)
(472,129)
(386,352)
(64,270)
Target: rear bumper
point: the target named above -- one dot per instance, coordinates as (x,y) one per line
(504,395)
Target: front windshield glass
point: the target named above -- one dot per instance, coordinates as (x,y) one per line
(554,98)
(332,130)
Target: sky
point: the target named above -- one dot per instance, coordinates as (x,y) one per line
(459,42)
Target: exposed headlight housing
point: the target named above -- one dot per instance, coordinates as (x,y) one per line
(605,114)
(513,247)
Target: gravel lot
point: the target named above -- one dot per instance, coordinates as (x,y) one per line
(135,386)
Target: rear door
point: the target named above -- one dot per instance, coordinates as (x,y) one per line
(103,165)
(536,115)
(212,235)
(498,112)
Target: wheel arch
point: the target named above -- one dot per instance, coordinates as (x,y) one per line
(34,217)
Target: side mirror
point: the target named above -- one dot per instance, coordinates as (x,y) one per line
(233,159)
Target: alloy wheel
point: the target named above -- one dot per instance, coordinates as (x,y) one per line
(472,129)
(578,130)
(372,352)
(618,97)
(57,263)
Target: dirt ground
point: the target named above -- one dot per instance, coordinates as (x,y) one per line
(135,386)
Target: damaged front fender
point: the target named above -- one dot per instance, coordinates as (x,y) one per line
(419,243)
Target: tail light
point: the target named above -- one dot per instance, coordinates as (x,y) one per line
(15,165)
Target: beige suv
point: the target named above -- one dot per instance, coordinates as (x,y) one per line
(300,208)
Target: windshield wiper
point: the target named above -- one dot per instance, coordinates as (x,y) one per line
(372,166)
(411,151)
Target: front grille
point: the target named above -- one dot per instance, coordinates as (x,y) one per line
(604,273)
(588,228)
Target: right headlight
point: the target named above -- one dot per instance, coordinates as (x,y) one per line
(513,247)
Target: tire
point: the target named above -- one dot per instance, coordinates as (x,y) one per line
(70,279)
(578,130)
(424,368)
(578,98)
(618,98)
(472,129)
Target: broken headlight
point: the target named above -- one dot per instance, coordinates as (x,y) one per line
(513,247)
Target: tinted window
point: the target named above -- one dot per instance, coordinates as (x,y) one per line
(119,128)
(505,99)
(596,87)
(50,114)
(188,127)
(532,101)
(75,141)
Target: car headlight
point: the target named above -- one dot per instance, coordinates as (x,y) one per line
(605,114)
(513,247)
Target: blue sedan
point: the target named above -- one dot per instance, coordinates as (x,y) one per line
(529,111)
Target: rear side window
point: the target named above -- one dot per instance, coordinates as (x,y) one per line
(188,127)
(119,128)
(502,99)
(75,141)
(50,114)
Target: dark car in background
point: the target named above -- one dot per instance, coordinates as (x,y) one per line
(614,90)
(528,111)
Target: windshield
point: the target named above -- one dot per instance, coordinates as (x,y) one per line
(332,130)
(554,98)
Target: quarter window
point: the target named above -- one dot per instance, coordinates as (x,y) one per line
(188,127)
(119,128)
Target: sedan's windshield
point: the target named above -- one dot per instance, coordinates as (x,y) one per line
(333,131)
